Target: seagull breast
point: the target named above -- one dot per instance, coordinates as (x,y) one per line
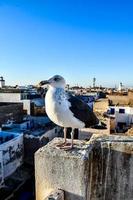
(58,109)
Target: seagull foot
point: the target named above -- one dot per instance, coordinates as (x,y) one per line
(67,147)
(61,145)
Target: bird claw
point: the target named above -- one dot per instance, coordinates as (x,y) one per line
(61,145)
(65,146)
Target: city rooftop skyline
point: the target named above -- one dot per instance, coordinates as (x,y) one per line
(79,40)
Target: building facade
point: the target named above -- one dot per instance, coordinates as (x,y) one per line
(11,153)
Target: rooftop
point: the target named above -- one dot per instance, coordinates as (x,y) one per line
(6,136)
(11,90)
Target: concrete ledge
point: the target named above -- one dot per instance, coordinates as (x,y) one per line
(101,169)
(56,168)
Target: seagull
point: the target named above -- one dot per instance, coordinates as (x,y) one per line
(66,110)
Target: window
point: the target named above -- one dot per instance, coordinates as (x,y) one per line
(23,96)
(112,111)
(121,110)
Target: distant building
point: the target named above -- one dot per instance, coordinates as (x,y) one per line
(123,99)
(37,132)
(123,116)
(32,101)
(120,87)
(2,82)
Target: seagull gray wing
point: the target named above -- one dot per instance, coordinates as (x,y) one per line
(82,111)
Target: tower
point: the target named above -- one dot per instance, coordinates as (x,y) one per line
(94,82)
(120,86)
(2,82)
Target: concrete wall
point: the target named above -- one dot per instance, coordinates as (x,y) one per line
(111,169)
(10,111)
(123,118)
(40,120)
(16,98)
(101,105)
(27,106)
(101,169)
(86,133)
(11,153)
(33,143)
(10,97)
(24,125)
(112,125)
(51,134)
(116,99)
(130,95)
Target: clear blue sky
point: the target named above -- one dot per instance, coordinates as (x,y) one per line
(79,39)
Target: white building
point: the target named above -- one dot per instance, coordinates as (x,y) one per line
(18,96)
(11,153)
(123,115)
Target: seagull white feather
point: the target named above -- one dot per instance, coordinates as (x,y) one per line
(66,110)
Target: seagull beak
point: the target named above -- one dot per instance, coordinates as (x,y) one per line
(44,83)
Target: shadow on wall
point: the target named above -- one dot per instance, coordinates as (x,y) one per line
(110,173)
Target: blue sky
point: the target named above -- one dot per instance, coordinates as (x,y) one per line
(79,39)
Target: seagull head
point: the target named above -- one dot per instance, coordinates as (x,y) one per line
(56,81)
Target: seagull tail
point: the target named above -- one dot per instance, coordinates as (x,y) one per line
(99,125)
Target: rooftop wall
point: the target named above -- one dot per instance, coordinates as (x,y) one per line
(14,111)
(10,97)
(33,142)
(119,100)
(101,169)
(101,105)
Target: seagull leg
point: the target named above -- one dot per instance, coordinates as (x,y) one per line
(69,146)
(65,140)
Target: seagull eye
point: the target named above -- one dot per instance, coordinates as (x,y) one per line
(56,79)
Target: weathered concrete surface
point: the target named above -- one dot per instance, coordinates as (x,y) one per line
(56,195)
(111,168)
(101,169)
(101,105)
(55,168)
